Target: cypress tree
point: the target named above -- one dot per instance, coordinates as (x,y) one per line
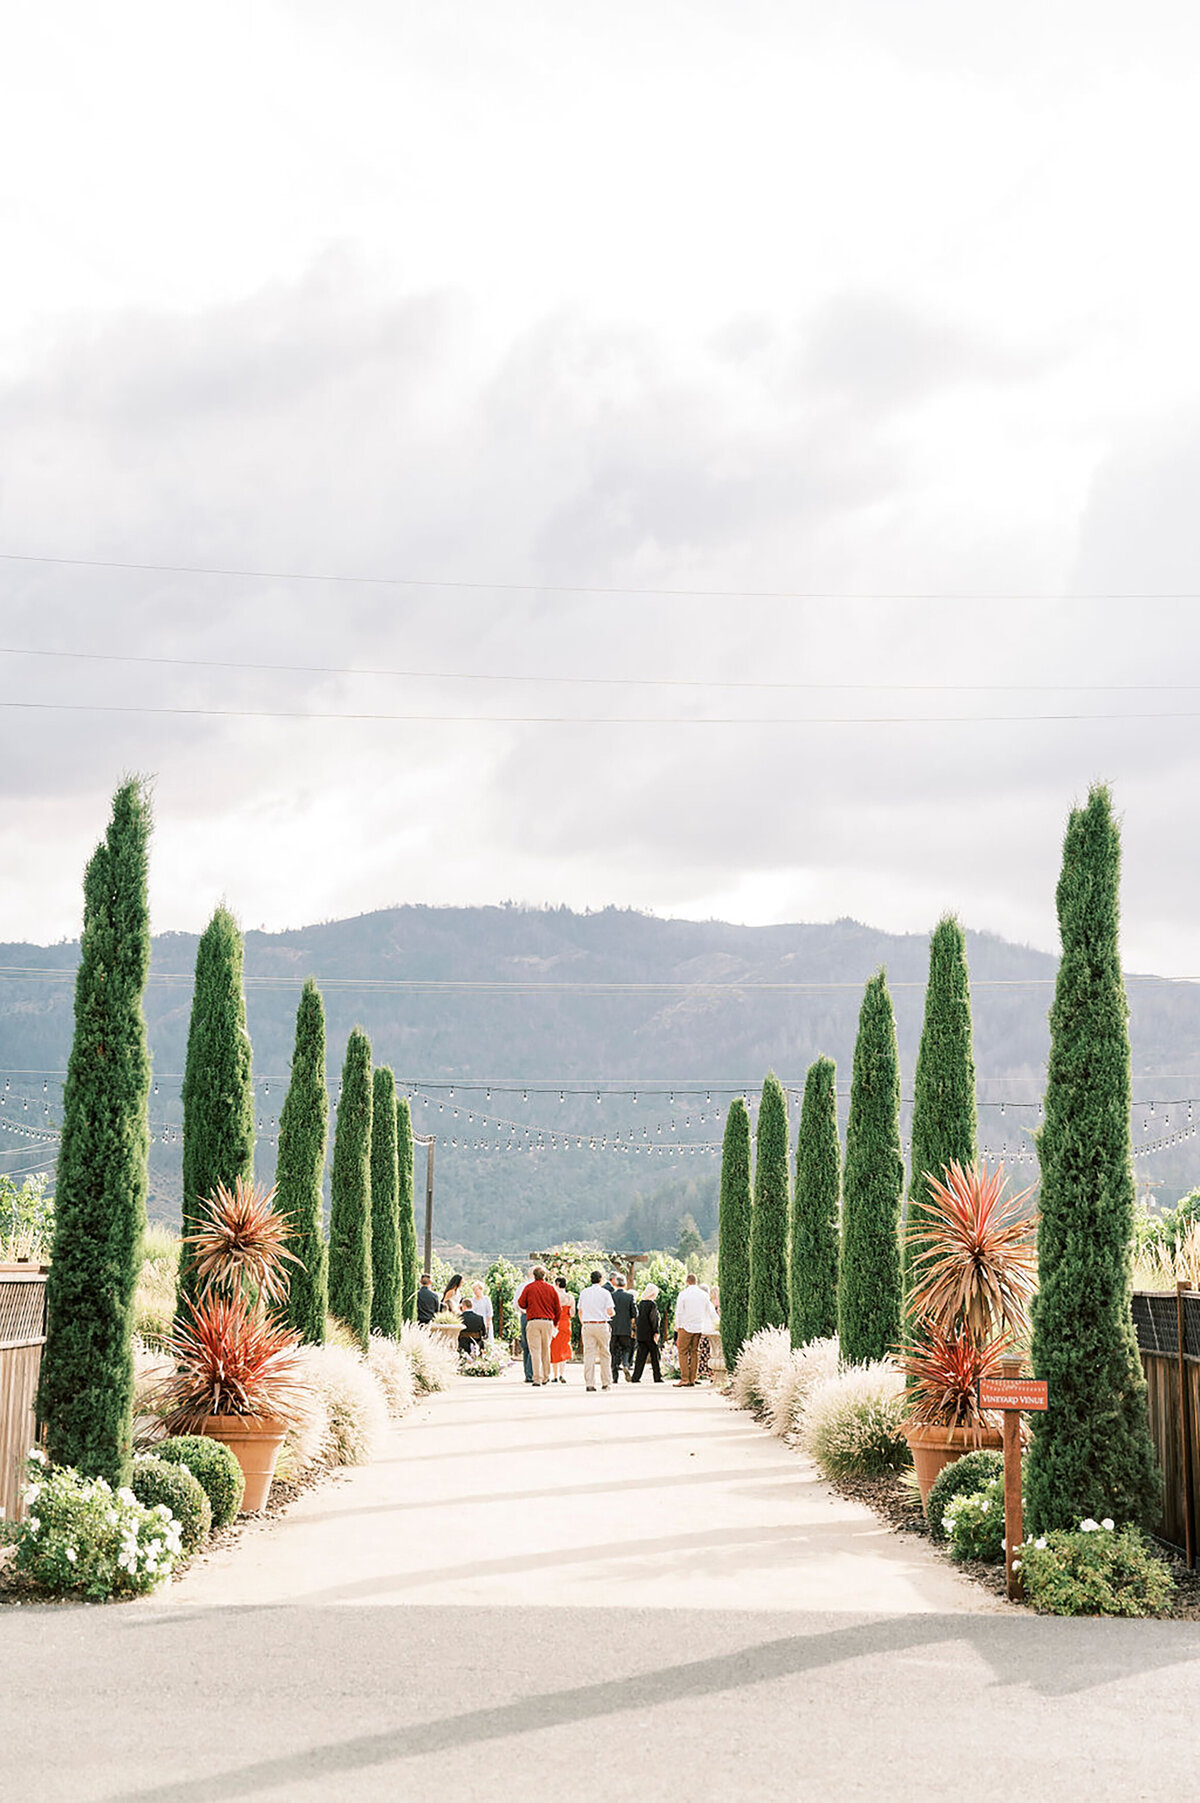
(387,1282)
(815,1207)
(733,1244)
(85,1396)
(405,1205)
(769,1215)
(943,1118)
(350,1187)
(1091,1452)
(218,1094)
(869,1273)
(300,1170)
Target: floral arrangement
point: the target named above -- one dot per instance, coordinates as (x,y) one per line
(81,1536)
(491,1361)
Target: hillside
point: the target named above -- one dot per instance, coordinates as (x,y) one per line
(682,1007)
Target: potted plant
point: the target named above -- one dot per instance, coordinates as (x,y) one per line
(237,1375)
(975,1274)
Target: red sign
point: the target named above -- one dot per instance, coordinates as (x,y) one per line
(1013,1393)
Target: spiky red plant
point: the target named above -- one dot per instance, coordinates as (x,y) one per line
(944,1370)
(240,1243)
(975,1262)
(230,1358)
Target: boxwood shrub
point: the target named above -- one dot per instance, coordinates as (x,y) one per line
(157,1481)
(215,1469)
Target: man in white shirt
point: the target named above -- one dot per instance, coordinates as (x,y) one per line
(691,1320)
(595,1313)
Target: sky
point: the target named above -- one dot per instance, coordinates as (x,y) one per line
(762,437)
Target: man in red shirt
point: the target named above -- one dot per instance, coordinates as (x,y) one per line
(542,1307)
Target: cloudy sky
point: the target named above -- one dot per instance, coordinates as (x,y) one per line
(804,363)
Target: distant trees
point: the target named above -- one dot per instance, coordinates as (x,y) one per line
(218,1093)
(869,1279)
(405,1209)
(733,1245)
(1091,1452)
(816,1201)
(85,1396)
(300,1170)
(387,1283)
(943,1117)
(769,1214)
(691,1242)
(350,1194)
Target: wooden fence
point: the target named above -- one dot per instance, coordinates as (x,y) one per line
(1168,1331)
(22,1336)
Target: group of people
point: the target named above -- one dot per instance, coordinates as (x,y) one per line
(620,1333)
(474,1310)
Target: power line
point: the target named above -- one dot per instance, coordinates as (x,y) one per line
(591,588)
(639,682)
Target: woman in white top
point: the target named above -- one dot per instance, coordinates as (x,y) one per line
(481,1302)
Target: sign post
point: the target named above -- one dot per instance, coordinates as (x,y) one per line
(1011,1394)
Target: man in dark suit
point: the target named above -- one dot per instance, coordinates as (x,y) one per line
(427,1300)
(623,1326)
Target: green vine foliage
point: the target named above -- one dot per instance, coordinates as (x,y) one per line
(943,1120)
(816,1206)
(733,1246)
(869,1272)
(350,1207)
(218,1094)
(386,1276)
(1091,1451)
(410,1270)
(85,1396)
(300,1171)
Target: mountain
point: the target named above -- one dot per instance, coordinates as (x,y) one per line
(531,1003)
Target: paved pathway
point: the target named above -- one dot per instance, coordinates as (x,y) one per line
(647,1498)
(601,1593)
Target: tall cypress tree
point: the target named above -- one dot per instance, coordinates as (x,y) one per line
(350,1193)
(1091,1452)
(405,1206)
(300,1170)
(733,1244)
(218,1094)
(86,1389)
(816,1202)
(869,1282)
(387,1284)
(769,1215)
(943,1118)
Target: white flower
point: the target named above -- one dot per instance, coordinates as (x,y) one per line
(1107,1523)
(1040,1543)
(1016,1565)
(71,1554)
(1089,1526)
(948,1523)
(34,1524)
(125,1495)
(37,1455)
(163,1510)
(110,1515)
(32,1492)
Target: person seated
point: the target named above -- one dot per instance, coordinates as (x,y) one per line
(474,1332)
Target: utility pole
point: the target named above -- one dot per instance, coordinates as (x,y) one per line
(428,1141)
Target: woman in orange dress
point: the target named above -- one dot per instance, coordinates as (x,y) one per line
(560,1345)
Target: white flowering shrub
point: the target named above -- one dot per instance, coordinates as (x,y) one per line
(356,1412)
(853,1424)
(393,1366)
(434,1356)
(80,1536)
(1096,1570)
(762,1366)
(974,1522)
(806,1366)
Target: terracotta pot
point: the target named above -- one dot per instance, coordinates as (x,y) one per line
(935,1447)
(254,1441)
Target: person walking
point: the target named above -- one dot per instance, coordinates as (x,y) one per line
(481,1303)
(595,1313)
(691,1319)
(560,1350)
(712,1325)
(648,1323)
(427,1300)
(526,1357)
(623,1321)
(540,1300)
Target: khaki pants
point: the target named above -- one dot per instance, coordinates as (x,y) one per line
(689,1355)
(595,1354)
(539,1334)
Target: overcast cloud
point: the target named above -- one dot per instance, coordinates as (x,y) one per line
(657,296)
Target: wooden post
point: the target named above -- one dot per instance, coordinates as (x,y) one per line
(429,1145)
(1185,1431)
(1014,1522)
